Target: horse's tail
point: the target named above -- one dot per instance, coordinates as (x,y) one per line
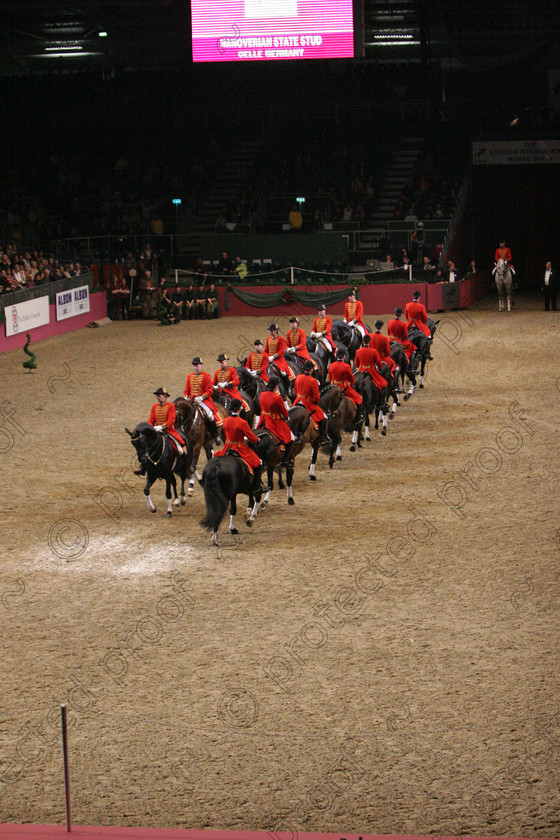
(216,501)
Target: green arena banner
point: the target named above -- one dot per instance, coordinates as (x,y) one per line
(266,300)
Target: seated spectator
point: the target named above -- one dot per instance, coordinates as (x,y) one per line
(471,269)
(241,268)
(200,268)
(200,302)
(426,265)
(295,219)
(225,265)
(221,223)
(403,255)
(212,302)
(166,309)
(189,301)
(178,299)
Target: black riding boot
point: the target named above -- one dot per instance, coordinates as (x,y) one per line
(430,357)
(324,438)
(413,363)
(212,425)
(286,460)
(257,486)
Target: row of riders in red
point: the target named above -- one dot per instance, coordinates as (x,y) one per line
(285,393)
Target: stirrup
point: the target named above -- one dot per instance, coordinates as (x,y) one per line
(264,488)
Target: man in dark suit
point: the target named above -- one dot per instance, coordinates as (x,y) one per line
(550,287)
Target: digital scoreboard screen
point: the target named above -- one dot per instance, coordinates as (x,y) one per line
(268,30)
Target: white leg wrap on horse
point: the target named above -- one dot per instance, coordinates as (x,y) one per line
(394,408)
(355,436)
(198,476)
(231,523)
(169,506)
(312,469)
(256,421)
(384,420)
(411,390)
(150,503)
(366,432)
(267,496)
(255,510)
(287,404)
(214,538)
(338,451)
(289,492)
(421,380)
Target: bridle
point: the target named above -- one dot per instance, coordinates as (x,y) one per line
(148,453)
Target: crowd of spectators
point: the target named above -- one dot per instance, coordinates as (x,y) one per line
(431,191)
(31,268)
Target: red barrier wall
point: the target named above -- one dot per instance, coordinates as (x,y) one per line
(377,299)
(98,309)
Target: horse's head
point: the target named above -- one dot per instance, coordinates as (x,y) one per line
(298,419)
(142,437)
(185,412)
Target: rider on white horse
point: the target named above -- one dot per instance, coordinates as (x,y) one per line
(503,276)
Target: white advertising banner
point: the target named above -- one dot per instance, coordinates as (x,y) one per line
(22,317)
(71,303)
(500,152)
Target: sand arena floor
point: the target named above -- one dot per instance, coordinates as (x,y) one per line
(382,657)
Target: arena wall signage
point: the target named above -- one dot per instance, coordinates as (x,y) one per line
(22,317)
(267,30)
(71,303)
(500,152)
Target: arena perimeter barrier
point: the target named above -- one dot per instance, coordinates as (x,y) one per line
(281,300)
(97,310)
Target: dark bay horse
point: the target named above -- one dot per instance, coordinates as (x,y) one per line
(299,421)
(159,459)
(223,479)
(349,338)
(423,345)
(374,401)
(191,422)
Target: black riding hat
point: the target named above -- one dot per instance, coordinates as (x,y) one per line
(197,360)
(257,341)
(273,327)
(235,406)
(161,391)
(398,312)
(378,325)
(416,295)
(223,357)
(321,308)
(293,320)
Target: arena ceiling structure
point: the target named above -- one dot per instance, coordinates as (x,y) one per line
(68,36)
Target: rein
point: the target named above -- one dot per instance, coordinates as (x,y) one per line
(148,455)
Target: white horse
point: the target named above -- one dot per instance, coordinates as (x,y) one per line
(503,275)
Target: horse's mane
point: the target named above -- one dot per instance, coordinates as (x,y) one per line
(144,427)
